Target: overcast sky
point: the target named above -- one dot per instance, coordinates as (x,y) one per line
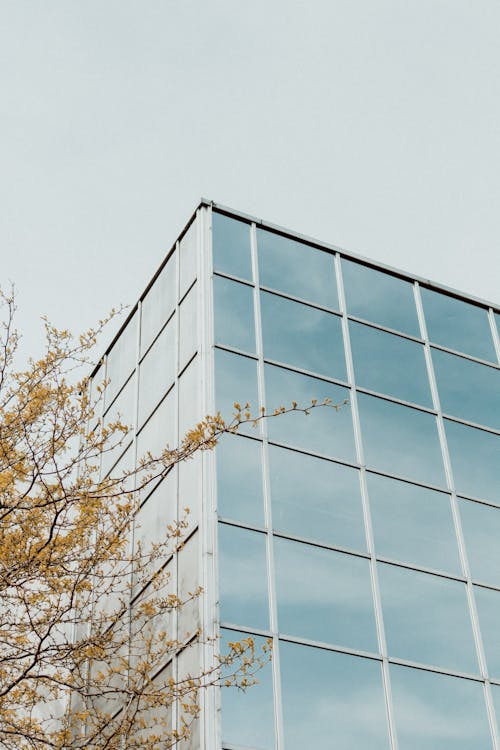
(374,125)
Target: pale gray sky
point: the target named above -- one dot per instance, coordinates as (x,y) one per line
(371,124)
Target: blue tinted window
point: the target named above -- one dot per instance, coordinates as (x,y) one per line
(324,595)
(248,715)
(488,607)
(413,524)
(401,440)
(316,499)
(458,325)
(243,577)
(297,269)
(331,701)
(481,529)
(235,382)
(231,246)
(379,297)
(437,712)
(239,479)
(325,430)
(467,389)
(234,319)
(474,458)
(389,364)
(302,336)
(427,619)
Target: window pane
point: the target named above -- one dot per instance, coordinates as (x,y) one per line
(481,529)
(121,409)
(331,701)
(474,458)
(458,325)
(188,259)
(189,398)
(379,297)
(427,619)
(188,580)
(401,440)
(239,479)
(158,304)
(243,577)
(488,606)
(389,364)
(297,269)
(413,524)
(234,318)
(121,360)
(248,716)
(157,371)
(159,430)
(325,430)
(316,499)
(231,246)
(437,712)
(324,595)
(235,382)
(188,327)
(302,336)
(467,389)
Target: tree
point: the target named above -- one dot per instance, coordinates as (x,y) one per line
(85,637)
(79,666)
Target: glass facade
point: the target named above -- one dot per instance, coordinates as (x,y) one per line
(363,539)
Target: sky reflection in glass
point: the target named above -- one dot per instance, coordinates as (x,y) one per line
(302,336)
(316,499)
(481,529)
(324,595)
(401,440)
(239,479)
(297,269)
(234,318)
(331,701)
(474,456)
(231,246)
(389,364)
(437,712)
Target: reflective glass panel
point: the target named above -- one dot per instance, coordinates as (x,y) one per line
(401,440)
(234,318)
(121,360)
(427,619)
(189,398)
(158,304)
(331,701)
(122,409)
(437,712)
(316,499)
(324,595)
(379,297)
(325,430)
(157,371)
(188,259)
(188,327)
(239,479)
(458,325)
(188,581)
(159,430)
(243,577)
(248,716)
(297,269)
(474,456)
(488,607)
(231,246)
(413,524)
(481,529)
(467,389)
(389,364)
(302,336)
(235,382)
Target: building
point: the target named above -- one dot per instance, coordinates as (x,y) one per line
(363,541)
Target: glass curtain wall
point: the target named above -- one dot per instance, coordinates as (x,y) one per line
(362,539)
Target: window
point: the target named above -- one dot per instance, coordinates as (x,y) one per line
(234,318)
(239,479)
(158,304)
(474,459)
(481,529)
(157,371)
(231,246)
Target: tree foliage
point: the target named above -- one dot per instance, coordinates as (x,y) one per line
(86,637)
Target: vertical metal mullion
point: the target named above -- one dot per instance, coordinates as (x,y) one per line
(366,509)
(457,522)
(271,582)
(210,735)
(495,334)
(175,556)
